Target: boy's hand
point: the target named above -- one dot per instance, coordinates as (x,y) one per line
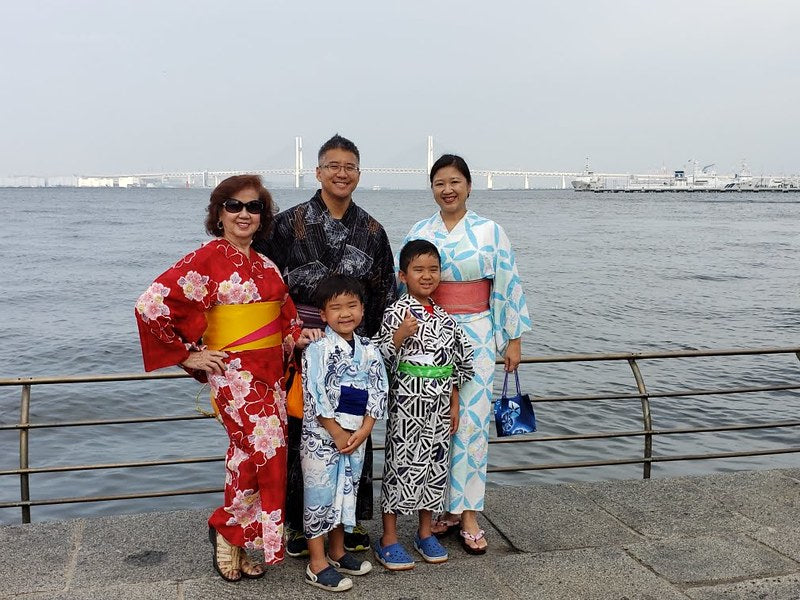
(359,435)
(341,438)
(454,410)
(356,439)
(406,329)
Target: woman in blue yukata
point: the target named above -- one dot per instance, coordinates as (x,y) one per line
(345,391)
(481,289)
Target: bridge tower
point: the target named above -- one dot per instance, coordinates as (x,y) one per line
(489,181)
(298,162)
(430,154)
(527,182)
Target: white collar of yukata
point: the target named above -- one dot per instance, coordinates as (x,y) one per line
(340,341)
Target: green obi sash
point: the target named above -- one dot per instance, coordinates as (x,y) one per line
(427,371)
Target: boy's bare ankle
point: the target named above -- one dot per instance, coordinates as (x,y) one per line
(388,540)
(317,566)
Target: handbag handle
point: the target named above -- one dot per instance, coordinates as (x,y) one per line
(505,384)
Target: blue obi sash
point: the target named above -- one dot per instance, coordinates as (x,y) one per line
(352,401)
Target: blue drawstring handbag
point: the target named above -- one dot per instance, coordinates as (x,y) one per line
(513,415)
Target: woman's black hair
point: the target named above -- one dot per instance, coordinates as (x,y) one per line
(452,160)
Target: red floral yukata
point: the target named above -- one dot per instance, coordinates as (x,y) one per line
(171,316)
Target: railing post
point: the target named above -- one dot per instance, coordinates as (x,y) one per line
(24,419)
(647,419)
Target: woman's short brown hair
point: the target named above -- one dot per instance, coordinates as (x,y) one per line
(230,187)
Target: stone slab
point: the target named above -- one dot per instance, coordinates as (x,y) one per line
(706,559)
(585,574)
(37,557)
(661,508)
(767,497)
(776,588)
(553,517)
(143,548)
(161,590)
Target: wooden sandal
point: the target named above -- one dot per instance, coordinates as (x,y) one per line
(226,557)
(250,569)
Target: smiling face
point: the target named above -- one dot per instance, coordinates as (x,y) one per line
(450,191)
(343,313)
(239,228)
(422,276)
(338,173)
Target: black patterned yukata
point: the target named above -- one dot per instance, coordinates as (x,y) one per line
(415,472)
(308,244)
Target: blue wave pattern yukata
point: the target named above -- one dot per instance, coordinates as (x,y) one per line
(330,479)
(477,248)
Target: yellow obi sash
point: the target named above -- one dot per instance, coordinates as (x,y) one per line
(237,327)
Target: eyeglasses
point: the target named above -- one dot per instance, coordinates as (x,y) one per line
(254,207)
(349,168)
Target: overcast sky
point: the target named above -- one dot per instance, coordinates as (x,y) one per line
(91,86)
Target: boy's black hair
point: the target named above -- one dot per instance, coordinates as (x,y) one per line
(416,248)
(336,285)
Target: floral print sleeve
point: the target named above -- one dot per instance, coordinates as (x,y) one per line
(170,313)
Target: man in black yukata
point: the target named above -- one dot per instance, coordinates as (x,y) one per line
(330,234)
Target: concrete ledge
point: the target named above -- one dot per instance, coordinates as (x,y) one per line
(731,536)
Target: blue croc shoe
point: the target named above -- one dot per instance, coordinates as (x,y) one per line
(350,565)
(394,557)
(430,549)
(328,579)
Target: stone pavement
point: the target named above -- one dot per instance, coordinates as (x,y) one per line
(714,537)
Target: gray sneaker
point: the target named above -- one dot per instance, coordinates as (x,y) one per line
(350,564)
(328,579)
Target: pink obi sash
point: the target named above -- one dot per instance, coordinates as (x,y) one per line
(237,327)
(463,297)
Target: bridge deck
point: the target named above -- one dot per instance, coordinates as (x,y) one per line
(718,536)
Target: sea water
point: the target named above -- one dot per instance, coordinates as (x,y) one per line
(601,272)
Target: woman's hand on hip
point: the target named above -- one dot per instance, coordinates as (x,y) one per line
(513,355)
(209,361)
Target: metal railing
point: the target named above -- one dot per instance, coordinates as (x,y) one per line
(647,431)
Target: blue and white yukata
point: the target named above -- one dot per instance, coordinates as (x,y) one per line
(332,367)
(477,248)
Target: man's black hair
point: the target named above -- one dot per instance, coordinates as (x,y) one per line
(338,142)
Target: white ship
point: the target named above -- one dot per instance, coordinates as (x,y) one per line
(700,179)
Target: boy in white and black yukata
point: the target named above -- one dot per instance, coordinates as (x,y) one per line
(344,392)
(428,357)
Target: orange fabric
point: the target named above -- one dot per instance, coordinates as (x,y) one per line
(294,391)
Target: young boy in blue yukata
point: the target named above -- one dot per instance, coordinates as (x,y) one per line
(429,357)
(344,392)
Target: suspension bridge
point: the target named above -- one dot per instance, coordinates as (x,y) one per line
(298,172)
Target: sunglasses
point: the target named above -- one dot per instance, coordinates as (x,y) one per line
(254,207)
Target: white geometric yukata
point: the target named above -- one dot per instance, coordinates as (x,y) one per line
(417,461)
(330,479)
(477,248)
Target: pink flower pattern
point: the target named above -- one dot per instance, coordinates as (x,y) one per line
(233,291)
(150,304)
(194,285)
